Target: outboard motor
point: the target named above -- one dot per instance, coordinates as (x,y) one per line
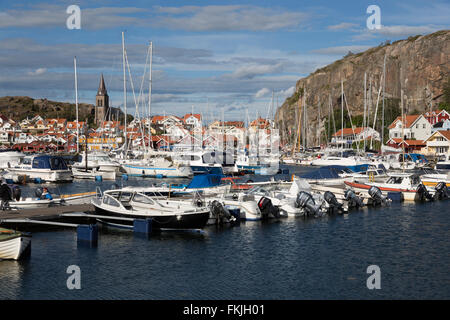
(266,207)
(423,193)
(334,205)
(376,195)
(442,191)
(38,192)
(353,199)
(305,200)
(16,193)
(219,212)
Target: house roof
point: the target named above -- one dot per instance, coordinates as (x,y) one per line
(409,120)
(195,115)
(348,131)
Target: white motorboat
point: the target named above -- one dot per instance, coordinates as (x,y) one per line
(443,163)
(13,244)
(44,167)
(209,162)
(409,184)
(97,160)
(93,174)
(40,201)
(166,214)
(157,167)
(10,158)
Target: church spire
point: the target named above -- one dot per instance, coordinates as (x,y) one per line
(102,88)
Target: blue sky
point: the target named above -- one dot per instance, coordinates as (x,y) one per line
(219,57)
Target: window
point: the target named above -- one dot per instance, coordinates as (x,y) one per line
(110,201)
(424,126)
(142,199)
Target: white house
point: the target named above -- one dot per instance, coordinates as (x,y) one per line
(416,127)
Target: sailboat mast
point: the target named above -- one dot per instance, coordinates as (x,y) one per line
(150,99)
(124,88)
(76,103)
(365,107)
(318,122)
(403,132)
(384,97)
(342,113)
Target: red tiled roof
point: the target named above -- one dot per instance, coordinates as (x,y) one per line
(348,131)
(409,120)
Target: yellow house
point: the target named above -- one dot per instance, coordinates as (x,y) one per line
(438,143)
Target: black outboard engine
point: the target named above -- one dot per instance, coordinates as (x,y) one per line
(442,191)
(330,198)
(353,199)
(423,193)
(220,213)
(267,208)
(305,200)
(16,193)
(38,192)
(376,195)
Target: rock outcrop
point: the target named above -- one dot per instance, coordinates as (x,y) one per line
(419,65)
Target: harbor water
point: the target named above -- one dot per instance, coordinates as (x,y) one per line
(323,258)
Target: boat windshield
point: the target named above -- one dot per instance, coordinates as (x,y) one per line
(395,180)
(138,197)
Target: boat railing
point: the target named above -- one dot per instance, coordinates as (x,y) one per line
(98,192)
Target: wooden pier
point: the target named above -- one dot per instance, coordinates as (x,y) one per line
(43,214)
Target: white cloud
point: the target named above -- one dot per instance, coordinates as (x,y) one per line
(261,93)
(251,71)
(37,72)
(228,18)
(343,26)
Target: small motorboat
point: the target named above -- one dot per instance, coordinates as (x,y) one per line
(13,244)
(79,173)
(44,168)
(166,214)
(409,184)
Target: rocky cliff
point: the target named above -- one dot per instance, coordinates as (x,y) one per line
(419,65)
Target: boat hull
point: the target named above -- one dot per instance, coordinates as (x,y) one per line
(13,248)
(408,194)
(196,220)
(141,171)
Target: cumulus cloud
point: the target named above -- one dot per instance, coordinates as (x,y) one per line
(228,18)
(261,93)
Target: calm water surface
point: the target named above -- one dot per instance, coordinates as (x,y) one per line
(322,258)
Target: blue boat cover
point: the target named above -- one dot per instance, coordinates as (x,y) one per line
(416,157)
(49,162)
(359,168)
(205,181)
(327,172)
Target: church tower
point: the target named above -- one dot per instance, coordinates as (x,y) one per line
(101,103)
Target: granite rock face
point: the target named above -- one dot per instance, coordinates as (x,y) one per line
(420,65)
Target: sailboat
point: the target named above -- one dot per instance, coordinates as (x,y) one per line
(160,167)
